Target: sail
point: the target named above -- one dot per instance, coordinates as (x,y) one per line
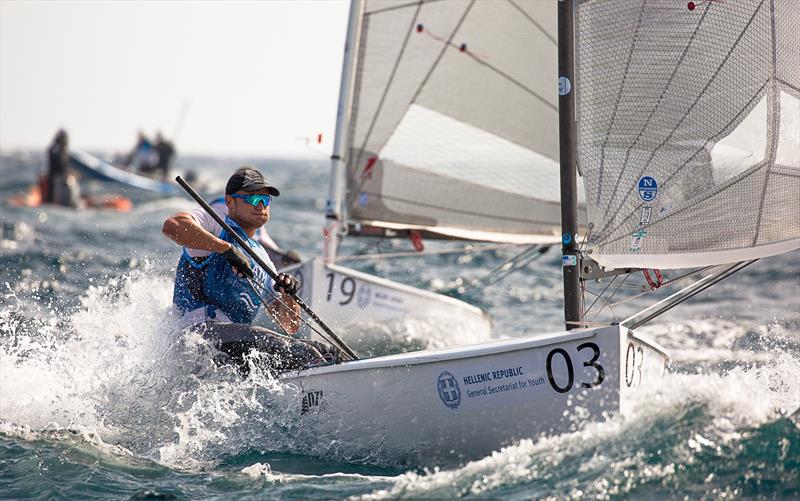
(453,124)
(689,129)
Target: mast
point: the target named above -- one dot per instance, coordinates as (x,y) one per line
(568,154)
(333,215)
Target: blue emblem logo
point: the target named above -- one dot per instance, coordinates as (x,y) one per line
(648,188)
(566,238)
(449,391)
(364,296)
(363,198)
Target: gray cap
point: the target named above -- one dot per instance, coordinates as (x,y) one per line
(249,179)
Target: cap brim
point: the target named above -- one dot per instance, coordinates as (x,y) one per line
(261,186)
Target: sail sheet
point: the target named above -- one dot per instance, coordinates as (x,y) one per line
(689,129)
(453,125)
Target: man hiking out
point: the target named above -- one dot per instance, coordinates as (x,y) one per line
(219,289)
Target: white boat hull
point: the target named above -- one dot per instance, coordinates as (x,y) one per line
(347,299)
(95,168)
(449,406)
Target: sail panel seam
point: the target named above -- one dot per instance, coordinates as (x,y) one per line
(503,217)
(350,196)
(533,21)
(666,88)
(773,124)
(697,100)
(617,101)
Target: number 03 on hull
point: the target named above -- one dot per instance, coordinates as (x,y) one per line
(449,406)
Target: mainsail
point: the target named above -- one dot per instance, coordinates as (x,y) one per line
(453,126)
(689,129)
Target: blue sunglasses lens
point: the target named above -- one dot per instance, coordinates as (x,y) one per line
(254,200)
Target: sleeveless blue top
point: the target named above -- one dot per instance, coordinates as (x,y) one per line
(210,283)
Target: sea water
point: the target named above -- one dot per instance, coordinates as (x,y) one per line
(103,396)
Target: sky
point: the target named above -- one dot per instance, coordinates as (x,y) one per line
(235,78)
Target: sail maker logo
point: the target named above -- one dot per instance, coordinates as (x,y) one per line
(648,188)
(449,392)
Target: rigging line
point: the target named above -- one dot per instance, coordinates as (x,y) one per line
(441,53)
(504,270)
(377,112)
(618,288)
(689,273)
(533,21)
(387,255)
(516,261)
(373,246)
(521,261)
(511,79)
(617,101)
(589,309)
(457,211)
(645,292)
(683,295)
(658,103)
(285,334)
(264,290)
(606,305)
(253,288)
(585,243)
(299,318)
(668,282)
(584,323)
(688,111)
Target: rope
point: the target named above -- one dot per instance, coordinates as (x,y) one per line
(500,272)
(300,318)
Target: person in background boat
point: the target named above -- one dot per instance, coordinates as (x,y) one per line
(60,186)
(219,290)
(143,157)
(165,152)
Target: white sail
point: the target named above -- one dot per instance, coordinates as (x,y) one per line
(453,123)
(689,129)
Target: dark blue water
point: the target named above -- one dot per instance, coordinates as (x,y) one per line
(100,398)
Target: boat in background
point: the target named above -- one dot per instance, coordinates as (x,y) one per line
(92,167)
(33,198)
(429,146)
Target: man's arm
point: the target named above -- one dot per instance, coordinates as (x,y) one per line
(183,229)
(286,312)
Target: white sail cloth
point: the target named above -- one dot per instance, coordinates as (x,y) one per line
(454,119)
(689,130)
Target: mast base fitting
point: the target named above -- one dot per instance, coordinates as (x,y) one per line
(591,270)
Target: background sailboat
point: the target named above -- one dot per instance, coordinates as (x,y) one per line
(447,130)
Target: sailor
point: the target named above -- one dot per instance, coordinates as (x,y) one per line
(279,257)
(143,157)
(219,289)
(166,152)
(61,187)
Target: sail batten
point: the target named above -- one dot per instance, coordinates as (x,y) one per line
(689,130)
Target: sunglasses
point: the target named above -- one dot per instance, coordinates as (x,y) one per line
(254,200)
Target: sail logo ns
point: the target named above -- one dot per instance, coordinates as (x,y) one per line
(449,392)
(648,188)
